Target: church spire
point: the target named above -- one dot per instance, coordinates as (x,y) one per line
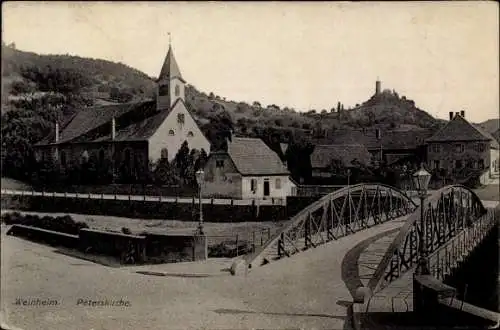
(170,84)
(170,69)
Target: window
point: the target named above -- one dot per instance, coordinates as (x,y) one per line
(435,148)
(164,153)
(180,118)
(163,90)
(436,164)
(85,156)
(459,148)
(479,147)
(458,164)
(278,184)
(177,90)
(190,134)
(481,163)
(126,157)
(171,132)
(101,157)
(63,158)
(253,185)
(219,163)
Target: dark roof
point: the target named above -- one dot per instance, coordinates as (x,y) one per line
(170,69)
(459,129)
(389,140)
(133,122)
(253,157)
(323,155)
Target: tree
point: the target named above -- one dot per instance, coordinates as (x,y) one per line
(164,173)
(201,160)
(219,130)
(182,160)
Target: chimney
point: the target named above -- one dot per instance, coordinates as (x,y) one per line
(113,128)
(377,87)
(462,113)
(451,115)
(57,132)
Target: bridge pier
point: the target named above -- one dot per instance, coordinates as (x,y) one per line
(427,291)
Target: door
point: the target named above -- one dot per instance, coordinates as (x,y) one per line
(266,187)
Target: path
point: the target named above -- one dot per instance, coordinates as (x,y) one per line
(305,291)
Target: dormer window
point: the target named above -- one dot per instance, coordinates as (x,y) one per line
(190,134)
(171,132)
(180,118)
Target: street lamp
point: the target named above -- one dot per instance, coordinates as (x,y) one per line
(421,180)
(200,177)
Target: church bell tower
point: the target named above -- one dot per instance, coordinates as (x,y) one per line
(170,84)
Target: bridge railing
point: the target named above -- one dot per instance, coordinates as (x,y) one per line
(449,256)
(447,212)
(338,214)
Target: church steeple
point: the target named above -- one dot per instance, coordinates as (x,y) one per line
(170,84)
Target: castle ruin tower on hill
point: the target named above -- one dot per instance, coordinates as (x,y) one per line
(378,86)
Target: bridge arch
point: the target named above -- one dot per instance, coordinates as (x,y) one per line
(340,213)
(447,212)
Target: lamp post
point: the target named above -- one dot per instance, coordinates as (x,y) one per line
(200,177)
(421,180)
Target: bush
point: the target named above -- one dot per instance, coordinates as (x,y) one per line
(64,224)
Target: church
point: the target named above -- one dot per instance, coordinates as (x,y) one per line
(128,135)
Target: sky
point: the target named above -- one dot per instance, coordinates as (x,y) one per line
(305,55)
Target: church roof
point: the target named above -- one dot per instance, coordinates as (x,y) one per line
(253,157)
(459,129)
(133,122)
(170,69)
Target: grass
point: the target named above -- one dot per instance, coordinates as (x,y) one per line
(216,232)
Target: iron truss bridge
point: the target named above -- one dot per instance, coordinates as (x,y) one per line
(341,213)
(455,222)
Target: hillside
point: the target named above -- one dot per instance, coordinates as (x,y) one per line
(103,78)
(490,125)
(38,89)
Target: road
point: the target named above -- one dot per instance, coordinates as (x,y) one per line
(306,291)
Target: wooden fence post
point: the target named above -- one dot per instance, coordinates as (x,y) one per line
(237,245)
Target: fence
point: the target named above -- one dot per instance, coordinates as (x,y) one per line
(149,198)
(238,244)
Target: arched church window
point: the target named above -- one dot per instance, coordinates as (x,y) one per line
(164,153)
(163,90)
(190,134)
(127,157)
(171,132)
(63,158)
(85,156)
(101,157)
(177,90)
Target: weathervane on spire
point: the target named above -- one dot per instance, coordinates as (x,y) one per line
(169,39)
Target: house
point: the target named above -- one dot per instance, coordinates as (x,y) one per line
(128,136)
(249,169)
(389,146)
(325,158)
(460,145)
